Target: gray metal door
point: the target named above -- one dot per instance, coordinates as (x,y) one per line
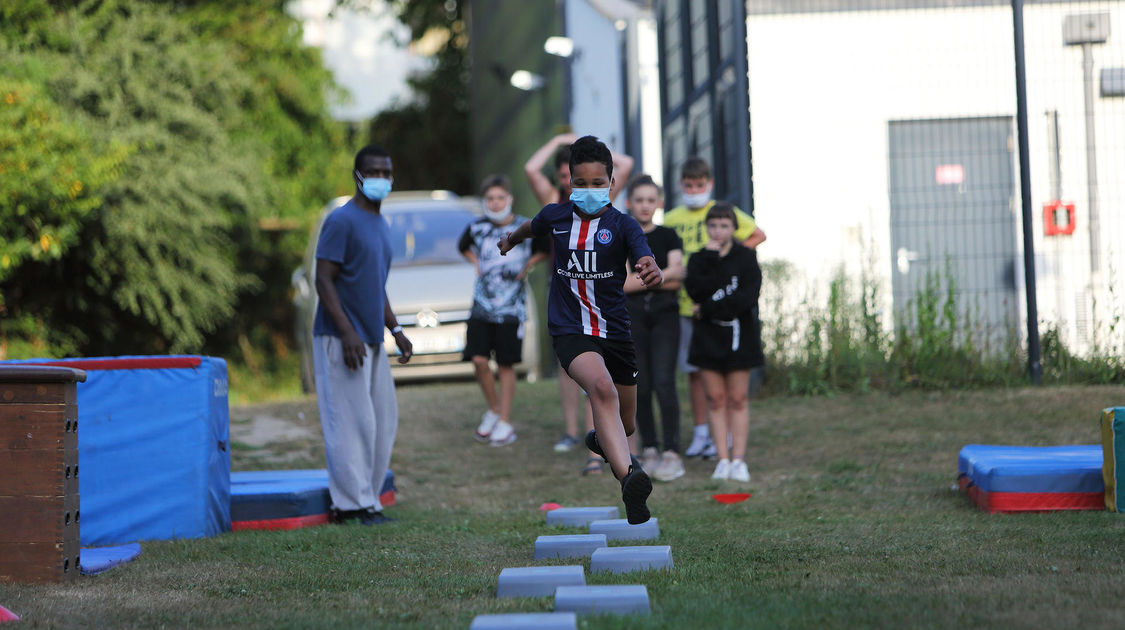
(951,189)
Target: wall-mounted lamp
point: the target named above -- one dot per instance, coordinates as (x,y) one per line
(527,81)
(559,46)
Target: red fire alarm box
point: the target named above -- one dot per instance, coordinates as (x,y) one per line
(1058,218)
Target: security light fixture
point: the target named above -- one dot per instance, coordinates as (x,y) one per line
(559,46)
(527,81)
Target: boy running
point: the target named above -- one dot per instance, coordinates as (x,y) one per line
(499,306)
(587,316)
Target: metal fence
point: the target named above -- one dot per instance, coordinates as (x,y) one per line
(885,140)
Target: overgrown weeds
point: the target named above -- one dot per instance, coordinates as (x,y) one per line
(846,342)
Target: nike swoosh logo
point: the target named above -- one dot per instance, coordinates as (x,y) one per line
(560,231)
(635,374)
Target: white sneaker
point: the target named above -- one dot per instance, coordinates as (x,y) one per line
(699,443)
(671,467)
(502,434)
(650,458)
(709,451)
(738,471)
(488,422)
(722,470)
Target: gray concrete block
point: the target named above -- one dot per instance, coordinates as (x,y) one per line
(526,621)
(580,516)
(625,559)
(603,600)
(568,546)
(620,529)
(538,581)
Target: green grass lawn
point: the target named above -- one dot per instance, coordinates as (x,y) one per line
(852,524)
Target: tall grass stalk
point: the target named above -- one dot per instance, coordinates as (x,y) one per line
(843,342)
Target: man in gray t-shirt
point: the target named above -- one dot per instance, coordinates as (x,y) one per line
(499,305)
(354,389)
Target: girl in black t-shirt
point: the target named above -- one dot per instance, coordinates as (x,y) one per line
(655,326)
(724,280)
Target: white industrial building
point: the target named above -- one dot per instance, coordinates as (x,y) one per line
(851,111)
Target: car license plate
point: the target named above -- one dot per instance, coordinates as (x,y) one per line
(440,340)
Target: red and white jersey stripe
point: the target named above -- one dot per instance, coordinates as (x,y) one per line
(590,254)
(582,233)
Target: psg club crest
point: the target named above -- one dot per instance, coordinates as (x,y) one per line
(604,236)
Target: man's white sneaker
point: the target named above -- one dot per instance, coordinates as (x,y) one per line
(488,422)
(738,471)
(699,444)
(722,470)
(671,467)
(650,458)
(502,434)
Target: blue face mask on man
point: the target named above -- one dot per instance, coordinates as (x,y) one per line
(590,200)
(374,188)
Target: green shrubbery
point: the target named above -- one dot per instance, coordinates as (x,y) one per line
(142,144)
(849,344)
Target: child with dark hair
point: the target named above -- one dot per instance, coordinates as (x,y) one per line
(724,280)
(586,313)
(655,316)
(499,309)
(697,187)
(547,192)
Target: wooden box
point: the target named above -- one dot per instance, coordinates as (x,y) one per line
(40,511)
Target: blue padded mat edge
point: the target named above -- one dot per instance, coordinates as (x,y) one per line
(95,560)
(272,494)
(993,468)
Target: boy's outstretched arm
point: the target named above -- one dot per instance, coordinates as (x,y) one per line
(511,239)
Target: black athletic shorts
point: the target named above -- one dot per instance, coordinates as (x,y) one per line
(727,346)
(619,356)
(483,338)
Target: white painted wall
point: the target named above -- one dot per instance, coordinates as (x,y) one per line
(597,106)
(824,86)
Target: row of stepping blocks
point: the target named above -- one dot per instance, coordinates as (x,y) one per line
(568,583)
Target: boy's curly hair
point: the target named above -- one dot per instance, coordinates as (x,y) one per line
(589,149)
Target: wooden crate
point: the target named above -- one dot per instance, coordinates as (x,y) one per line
(40,512)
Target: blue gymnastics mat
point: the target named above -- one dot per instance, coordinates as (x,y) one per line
(1032,478)
(97,560)
(286,499)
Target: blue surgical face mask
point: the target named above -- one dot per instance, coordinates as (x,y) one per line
(374,188)
(590,200)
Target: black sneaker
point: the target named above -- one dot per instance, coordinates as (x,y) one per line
(592,444)
(341,517)
(635,488)
(374,518)
(596,448)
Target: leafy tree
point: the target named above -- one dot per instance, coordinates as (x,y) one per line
(50,172)
(187,123)
(429,137)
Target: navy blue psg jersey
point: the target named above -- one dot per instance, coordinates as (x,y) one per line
(586,295)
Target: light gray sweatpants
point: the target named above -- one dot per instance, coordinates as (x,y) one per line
(359,418)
